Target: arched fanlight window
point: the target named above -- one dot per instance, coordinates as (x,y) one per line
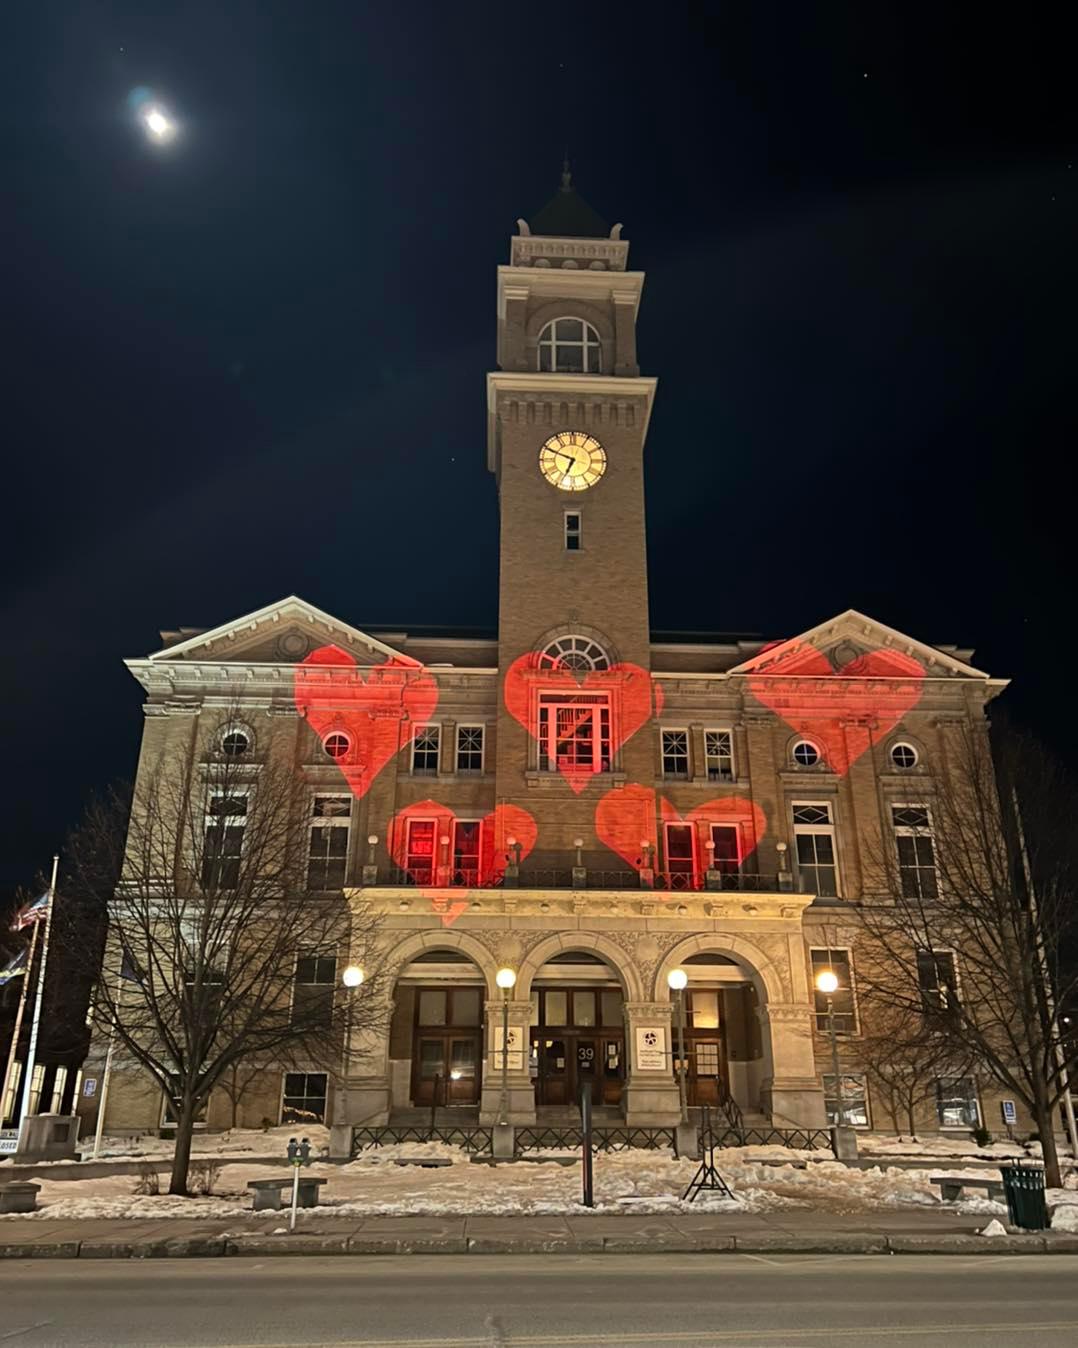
(574,652)
(570,346)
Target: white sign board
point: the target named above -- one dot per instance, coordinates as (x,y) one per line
(651,1049)
(516,1048)
(1009,1110)
(89,1087)
(9,1141)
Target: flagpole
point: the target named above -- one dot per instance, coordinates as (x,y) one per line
(35,1024)
(10,1068)
(102,1099)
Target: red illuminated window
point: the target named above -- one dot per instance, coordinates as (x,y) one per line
(419,854)
(680,856)
(574,732)
(466,839)
(727,858)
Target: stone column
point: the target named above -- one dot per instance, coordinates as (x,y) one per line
(625,333)
(792,1092)
(521,1091)
(651,1093)
(362,1099)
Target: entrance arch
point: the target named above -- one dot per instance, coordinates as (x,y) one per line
(578,984)
(727,1035)
(442,983)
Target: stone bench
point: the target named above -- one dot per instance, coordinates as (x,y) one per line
(951,1187)
(269,1193)
(19,1196)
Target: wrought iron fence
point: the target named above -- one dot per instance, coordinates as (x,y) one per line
(603,1139)
(457,877)
(475,1139)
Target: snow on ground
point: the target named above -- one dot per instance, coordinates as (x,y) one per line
(235,1141)
(637,1181)
(943,1146)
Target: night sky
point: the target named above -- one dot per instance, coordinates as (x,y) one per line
(251,362)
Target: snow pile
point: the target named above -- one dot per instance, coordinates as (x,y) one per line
(1065,1216)
(637,1181)
(236,1141)
(994,1228)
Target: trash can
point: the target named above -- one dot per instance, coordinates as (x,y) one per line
(1023,1186)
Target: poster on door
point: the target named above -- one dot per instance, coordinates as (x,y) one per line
(651,1048)
(516,1048)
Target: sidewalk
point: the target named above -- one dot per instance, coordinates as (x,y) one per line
(787,1232)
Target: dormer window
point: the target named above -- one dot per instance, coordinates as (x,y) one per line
(569,346)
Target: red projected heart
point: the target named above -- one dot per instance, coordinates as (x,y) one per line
(845,710)
(470,858)
(375,712)
(625,818)
(573,732)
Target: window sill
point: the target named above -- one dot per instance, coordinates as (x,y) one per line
(534,778)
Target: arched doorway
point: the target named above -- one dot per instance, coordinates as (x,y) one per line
(436,1033)
(577,1033)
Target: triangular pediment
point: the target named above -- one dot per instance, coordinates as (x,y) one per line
(845,643)
(284,633)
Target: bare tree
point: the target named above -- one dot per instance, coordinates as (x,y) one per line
(975,939)
(206,924)
(903,1058)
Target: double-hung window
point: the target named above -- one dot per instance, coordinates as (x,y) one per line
(313,989)
(470,748)
(956,1102)
(719,755)
(937,979)
(457,861)
(675,746)
(916,851)
(680,856)
(304,1097)
(467,836)
(574,732)
(842,999)
(814,835)
(854,1099)
(327,858)
(574,531)
(726,852)
(226,820)
(425,751)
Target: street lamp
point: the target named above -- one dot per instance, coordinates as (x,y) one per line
(827,983)
(506,979)
(351,978)
(677,980)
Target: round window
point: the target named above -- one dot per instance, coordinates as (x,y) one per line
(904,756)
(805,754)
(235,743)
(336,744)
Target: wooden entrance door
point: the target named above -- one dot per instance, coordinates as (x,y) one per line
(450,1064)
(568,1059)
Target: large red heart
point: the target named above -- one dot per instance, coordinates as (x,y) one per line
(629,687)
(846,710)
(625,818)
(436,876)
(379,709)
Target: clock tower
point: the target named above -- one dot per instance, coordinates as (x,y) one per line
(568,415)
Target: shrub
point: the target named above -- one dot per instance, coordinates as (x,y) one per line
(149,1181)
(982,1136)
(205,1175)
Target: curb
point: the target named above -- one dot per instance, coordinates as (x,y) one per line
(210,1247)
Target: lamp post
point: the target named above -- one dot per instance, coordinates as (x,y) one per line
(351,978)
(677,979)
(506,980)
(827,982)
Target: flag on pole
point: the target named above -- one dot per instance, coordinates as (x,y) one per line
(129,966)
(32,912)
(14,968)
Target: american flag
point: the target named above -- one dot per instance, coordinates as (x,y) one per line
(31,913)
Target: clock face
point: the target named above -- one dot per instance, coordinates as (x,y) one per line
(572,460)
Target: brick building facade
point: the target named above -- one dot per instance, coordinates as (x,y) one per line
(577,799)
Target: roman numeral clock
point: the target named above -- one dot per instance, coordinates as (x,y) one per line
(572,460)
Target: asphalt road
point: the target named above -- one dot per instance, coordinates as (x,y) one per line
(444,1301)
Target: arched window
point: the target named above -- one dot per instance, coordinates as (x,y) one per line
(570,346)
(574,652)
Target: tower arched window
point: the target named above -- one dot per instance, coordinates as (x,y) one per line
(570,346)
(574,652)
